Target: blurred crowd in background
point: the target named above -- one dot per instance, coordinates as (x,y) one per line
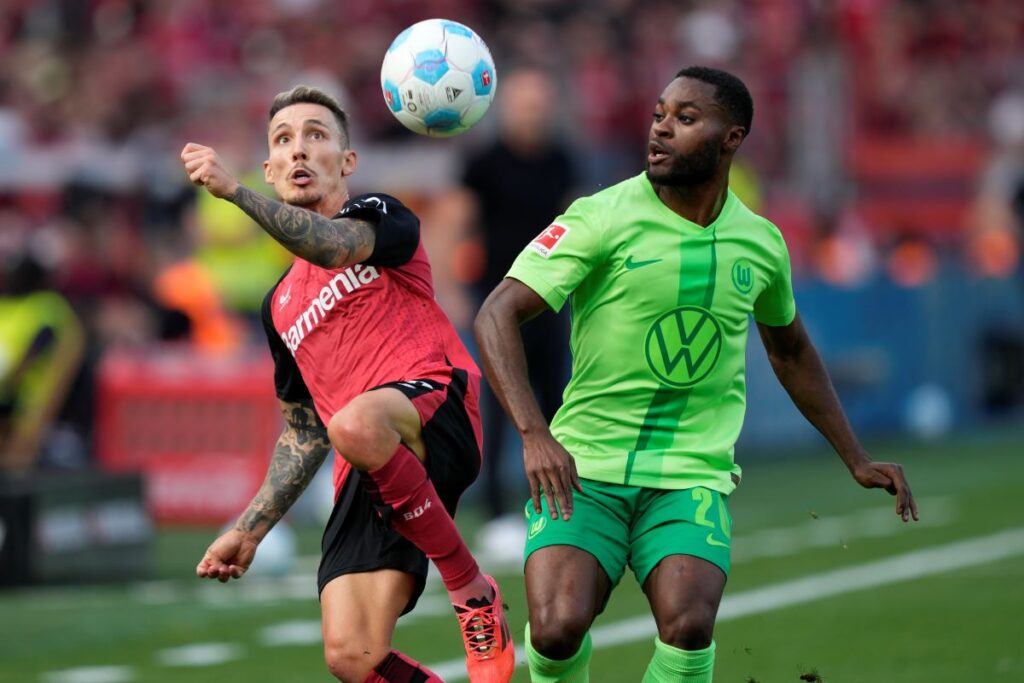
(887,142)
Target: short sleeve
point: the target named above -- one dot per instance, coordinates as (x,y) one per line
(775,306)
(288,382)
(397,228)
(561,256)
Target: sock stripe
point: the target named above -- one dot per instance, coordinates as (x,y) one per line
(397,668)
(671,663)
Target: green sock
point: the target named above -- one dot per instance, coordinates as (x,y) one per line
(680,666)
(576,669)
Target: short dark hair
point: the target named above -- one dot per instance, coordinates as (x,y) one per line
(730,92)
(307,94)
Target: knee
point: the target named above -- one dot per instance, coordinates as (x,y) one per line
(351,662)
(357,438)
(689,630)
(557,634)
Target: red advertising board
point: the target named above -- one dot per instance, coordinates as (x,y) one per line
(199,428)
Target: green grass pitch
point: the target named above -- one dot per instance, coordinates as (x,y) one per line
(798,518)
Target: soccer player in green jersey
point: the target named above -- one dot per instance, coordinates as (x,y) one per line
(663,271)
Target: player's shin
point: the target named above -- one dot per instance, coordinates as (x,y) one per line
(420,516)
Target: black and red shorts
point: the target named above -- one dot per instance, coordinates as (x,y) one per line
(359,537)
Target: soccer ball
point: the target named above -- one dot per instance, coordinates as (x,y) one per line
(438,78)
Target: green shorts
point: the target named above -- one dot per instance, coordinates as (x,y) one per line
(620,524)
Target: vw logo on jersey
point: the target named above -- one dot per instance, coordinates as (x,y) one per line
(743,275)
(683,345)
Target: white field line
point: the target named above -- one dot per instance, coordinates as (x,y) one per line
(825,531)
(307,631)
(912,565)
(91,674)
(295,632)
(822,532)
(836,530)
(200,654)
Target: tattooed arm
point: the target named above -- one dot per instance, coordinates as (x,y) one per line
(321,241)
(300,450)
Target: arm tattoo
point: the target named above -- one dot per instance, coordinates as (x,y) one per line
(321,241)
(300,450)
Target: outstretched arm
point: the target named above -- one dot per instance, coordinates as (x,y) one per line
(802,373)
(549,467)
(300,450)
(320,240)
(325,242)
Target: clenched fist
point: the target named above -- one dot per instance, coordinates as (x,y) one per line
(205,168)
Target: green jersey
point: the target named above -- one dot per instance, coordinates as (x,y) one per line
(660,315)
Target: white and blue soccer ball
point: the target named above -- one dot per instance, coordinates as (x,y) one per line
(438,78)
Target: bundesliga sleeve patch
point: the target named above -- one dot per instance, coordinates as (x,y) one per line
(363,203)
(547,241)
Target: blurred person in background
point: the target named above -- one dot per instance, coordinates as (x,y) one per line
(41,347)
(997,214)
(515,185)
(994,250)
(664,270)
(366,363)
(184,286)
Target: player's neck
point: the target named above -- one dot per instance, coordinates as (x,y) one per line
(328,206)
(329,210)
(700,204)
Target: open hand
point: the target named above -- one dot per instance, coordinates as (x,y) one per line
(550,468)
(888,476)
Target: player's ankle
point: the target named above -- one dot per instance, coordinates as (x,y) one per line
(477,589)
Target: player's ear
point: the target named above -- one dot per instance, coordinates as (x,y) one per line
(268,174)
(349,162)
(734,138)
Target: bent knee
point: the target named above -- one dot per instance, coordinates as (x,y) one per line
(692,630)
(344,430)
(359,438)
(350,660)
(557,635)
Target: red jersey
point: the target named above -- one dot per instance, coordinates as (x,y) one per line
(336,333)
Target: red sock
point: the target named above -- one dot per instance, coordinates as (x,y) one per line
(397,668)
(419,515)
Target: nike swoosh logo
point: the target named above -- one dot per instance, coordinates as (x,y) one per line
(633,265)
(506,636)
(714,541)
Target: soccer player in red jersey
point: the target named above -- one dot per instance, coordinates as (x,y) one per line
(367,363)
